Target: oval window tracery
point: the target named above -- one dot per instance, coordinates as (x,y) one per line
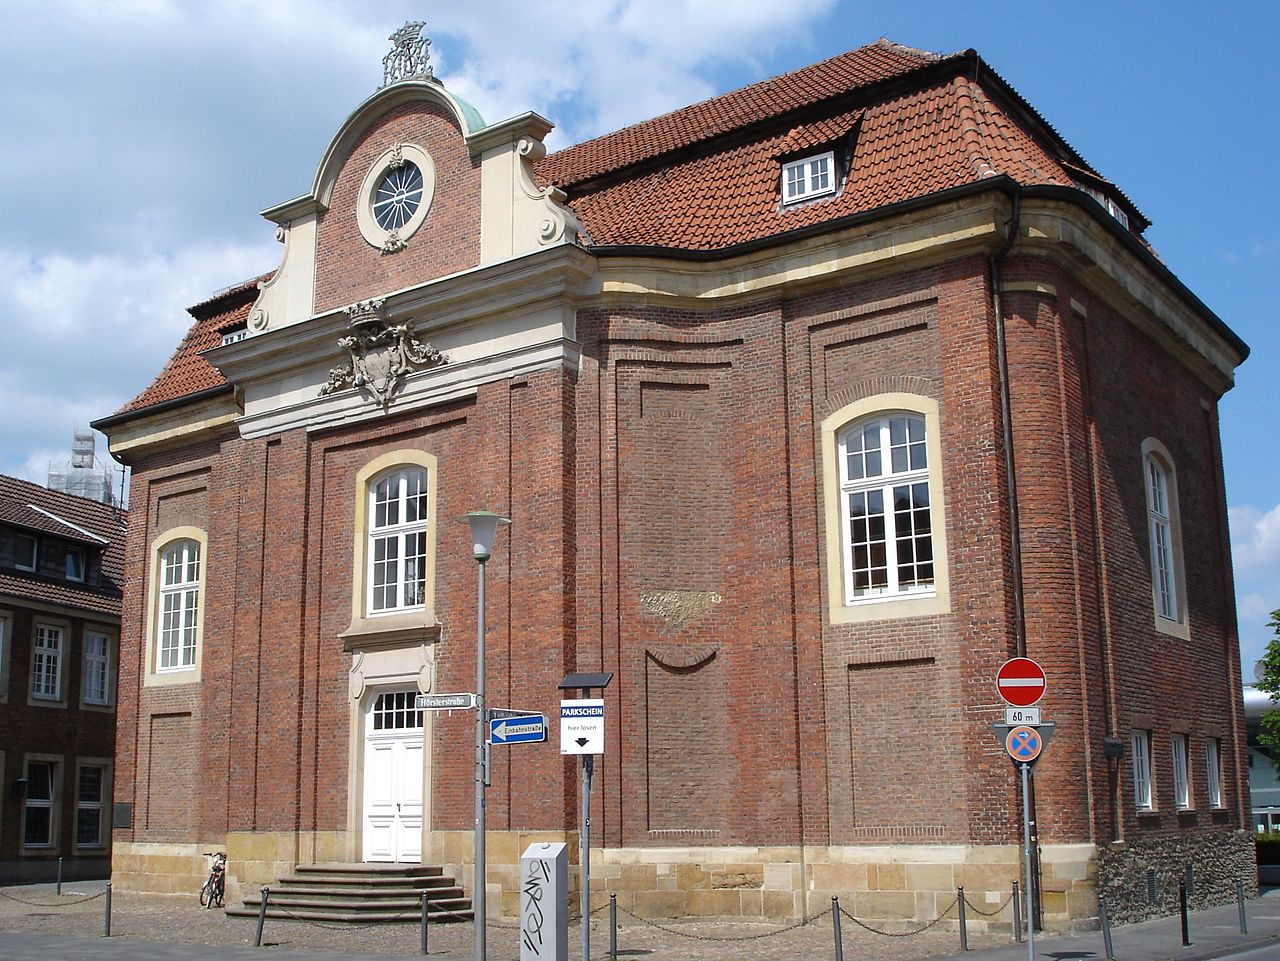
(398,196)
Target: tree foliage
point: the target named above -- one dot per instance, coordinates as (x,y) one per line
(1270,682)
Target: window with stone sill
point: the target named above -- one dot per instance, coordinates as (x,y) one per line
(46,662)
(1140,749)
(1213,770)
(397,554)
(178,606)
(1168,586)
(96,669)
(886,517)
(1181,778)
(39,806)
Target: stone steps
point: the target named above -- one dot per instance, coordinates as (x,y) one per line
(360,893)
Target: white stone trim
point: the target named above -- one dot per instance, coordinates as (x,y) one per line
(372,232)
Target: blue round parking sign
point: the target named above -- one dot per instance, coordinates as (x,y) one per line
(1023,744)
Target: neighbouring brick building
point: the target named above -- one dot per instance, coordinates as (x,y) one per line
(738,376)
(61,565)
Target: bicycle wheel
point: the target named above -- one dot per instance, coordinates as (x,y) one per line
(219,888)
(206,893)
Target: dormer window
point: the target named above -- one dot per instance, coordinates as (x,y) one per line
(809,177)
(235,334)
(24,552)
(75,564)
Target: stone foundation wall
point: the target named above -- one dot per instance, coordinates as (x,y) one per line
(1218,860)
(890,885)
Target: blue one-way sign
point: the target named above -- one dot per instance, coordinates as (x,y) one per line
(524,729)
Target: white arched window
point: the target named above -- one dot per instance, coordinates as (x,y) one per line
(397,553)
(1165,539)
(886,518)
(179,606)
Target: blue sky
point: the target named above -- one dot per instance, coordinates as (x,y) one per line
(143,136)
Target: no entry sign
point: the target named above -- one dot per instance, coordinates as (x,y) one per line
(1020,681)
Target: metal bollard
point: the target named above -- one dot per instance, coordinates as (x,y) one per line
(1017,915)
(1105,921)
(835,927)
(613,927)
(262,917)
(964,928)
(1182,908)
(106,914)
(424,924)
(1244,922)
(59,889)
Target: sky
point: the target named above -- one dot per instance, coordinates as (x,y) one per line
(142,137)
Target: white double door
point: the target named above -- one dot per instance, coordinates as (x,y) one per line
(393,778)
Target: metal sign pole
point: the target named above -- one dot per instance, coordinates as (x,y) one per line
(1026,835)
(584,888)
(478,899)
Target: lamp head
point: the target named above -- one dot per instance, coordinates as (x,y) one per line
(484,527)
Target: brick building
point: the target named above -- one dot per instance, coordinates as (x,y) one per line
(61,565)
(810,404)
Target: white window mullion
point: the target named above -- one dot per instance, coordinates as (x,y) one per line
(397,541)
(1140,744)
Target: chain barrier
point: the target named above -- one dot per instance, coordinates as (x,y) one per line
(901,934)
(489,922)
(54,904)
(706,937)
(987,914)
(343,925)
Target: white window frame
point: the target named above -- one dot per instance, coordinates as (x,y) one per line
(33,561)
(101,805)
(398,555)
(96,668)
(1140,748)
(1181,773)
(809,177)
(1164,540)
(894,433)
(181,566)
(48,647)
(155,626)
(51,803)
(1213,770)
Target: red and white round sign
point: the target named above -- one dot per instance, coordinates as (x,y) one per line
(1020,681)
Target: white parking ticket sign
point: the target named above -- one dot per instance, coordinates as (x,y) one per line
(582,726)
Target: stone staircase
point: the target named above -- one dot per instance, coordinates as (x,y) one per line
(360,893)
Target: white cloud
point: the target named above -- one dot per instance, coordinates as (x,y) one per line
(1255,541)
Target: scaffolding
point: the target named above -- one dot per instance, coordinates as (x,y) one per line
(83,476)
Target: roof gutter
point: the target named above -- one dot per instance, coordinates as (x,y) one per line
(115,420)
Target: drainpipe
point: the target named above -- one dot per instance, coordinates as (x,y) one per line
(1015,537)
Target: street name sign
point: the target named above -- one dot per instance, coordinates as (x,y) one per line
(524,729)
(1020,681)
(446,702)
(582,726)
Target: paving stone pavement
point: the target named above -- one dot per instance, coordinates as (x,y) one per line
(36,924)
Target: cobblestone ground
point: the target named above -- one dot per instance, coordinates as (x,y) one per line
(80,911)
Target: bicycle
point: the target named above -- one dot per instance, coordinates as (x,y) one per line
(214,888)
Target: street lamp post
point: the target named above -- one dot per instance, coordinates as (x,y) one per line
(484,527)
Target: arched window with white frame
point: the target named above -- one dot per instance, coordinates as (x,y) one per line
(1164,539)
(179,606)
(885,507)
(397,552)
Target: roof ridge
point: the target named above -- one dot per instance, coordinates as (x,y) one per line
(736,109)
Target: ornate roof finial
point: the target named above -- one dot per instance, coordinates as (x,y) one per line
(408,57)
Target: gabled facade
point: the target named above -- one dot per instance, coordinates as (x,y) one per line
(810,405)
(61,565)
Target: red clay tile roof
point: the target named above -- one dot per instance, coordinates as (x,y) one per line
(101,521)
(774,97)
(186,372)
(909,144)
